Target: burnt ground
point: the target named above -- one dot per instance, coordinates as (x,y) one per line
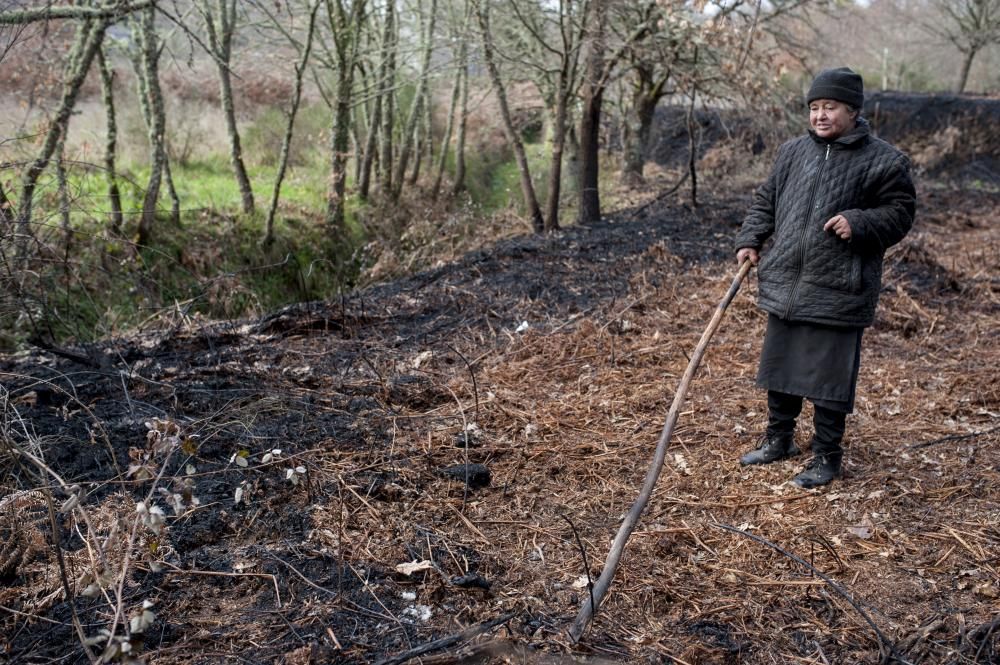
(369,400)
(948,137)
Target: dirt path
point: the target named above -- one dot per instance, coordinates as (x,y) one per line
(368,399)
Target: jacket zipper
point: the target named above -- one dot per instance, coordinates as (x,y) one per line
(802,233)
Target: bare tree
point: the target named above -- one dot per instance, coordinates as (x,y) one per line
(570,38)
(304,47)
(344,22)
(382,93)
(463,112)
(418,100)
(423,145)
(971,25)
(544,40)
(650,68)
(89,34)
(110,139)
(649,86)
(387,96)
(527,187)
(601,62)
(146,63)
(220,19)
(457,32)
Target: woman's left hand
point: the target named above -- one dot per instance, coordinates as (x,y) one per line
(839,225)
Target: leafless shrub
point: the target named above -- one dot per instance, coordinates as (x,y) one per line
(406,239)
(118,533)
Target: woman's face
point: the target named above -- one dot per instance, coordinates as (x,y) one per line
(830,119)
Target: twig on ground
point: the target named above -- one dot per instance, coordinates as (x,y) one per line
(28,615)
(586,566)
(368,588)
(465,520)
(63,578)
(954,437)
(989,629)
(300,575)
(465,435)
(213,573)
(475,385)
(637,212)
(445,642)
(886,647)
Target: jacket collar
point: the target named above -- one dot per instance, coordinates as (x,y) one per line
(850,139)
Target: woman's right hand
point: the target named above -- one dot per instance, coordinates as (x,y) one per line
(747,254)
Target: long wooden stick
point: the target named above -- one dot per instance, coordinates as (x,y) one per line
(593,601)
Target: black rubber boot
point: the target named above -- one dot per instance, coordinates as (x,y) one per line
(772,447)
(822,468)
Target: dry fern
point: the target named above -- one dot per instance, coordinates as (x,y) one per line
(22,534)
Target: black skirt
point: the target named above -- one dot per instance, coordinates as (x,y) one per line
(817,362)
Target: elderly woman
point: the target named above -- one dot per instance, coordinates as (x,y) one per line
(835,201)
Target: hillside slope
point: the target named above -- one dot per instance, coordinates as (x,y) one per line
(292,556)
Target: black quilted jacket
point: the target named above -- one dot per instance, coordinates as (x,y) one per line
(812,275)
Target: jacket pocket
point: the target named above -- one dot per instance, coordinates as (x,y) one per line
(855,273)
(832,265)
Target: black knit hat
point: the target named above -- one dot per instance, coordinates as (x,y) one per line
(841,84)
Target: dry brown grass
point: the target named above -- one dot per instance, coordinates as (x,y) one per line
(570,417)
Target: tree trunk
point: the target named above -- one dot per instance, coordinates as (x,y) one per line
(967,58)
(357,144)
(110,141)
(286,143)
(221,27)
(527,187)
(572,150)
(89,36)
(409,131)
(63,194)
(645,97)
(693,148)
(383,87)
(558,141)
(390,43)
(346,30)
(6,212)
(339,146)
(150,74)
(590,121)
(463,116)
(637,143)
(175,201)
(423,131)
(456,91)
(371,145)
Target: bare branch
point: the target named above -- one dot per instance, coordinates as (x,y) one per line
(72,12)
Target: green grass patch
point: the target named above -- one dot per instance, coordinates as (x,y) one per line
(493,179)
(213,263)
